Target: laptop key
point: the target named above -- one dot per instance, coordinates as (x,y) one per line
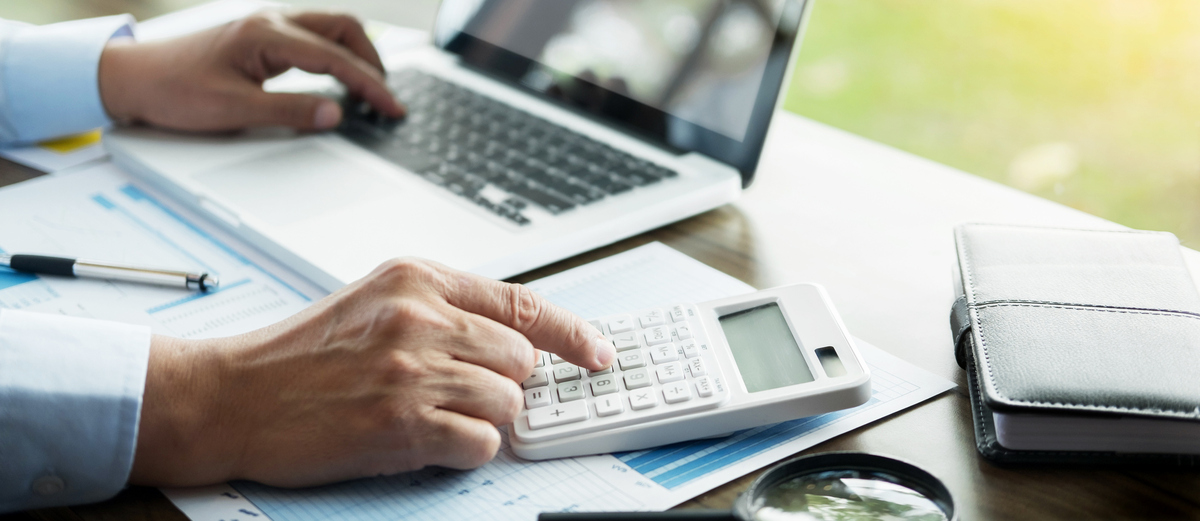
(542,198)
(408,157)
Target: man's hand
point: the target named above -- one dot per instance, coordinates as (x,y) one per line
(414,365)
(212,80)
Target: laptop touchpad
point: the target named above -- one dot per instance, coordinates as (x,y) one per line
(294,184)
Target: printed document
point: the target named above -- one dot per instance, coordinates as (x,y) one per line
(656,479)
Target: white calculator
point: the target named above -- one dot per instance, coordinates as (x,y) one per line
(695,370)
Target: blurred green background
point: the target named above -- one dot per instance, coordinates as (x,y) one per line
(1091,103)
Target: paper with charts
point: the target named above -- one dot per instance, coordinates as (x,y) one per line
(99,214)
(510,488)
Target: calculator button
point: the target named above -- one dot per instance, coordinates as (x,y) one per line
(683,332)
(631,360)
(555,359)
(669,372)
(625,341)
(620,324)
(664,353)
(677,392)
(561,413)
(689,349)
(565,372)
(604,385)
(541,361)
(606,370)
(658,335)
(596,324)
(697,367)
(537,380)
(678,314)
(637,379)
(570,392)
(643,399)
(535,398)
(652,318)
(704,387)
(609,405)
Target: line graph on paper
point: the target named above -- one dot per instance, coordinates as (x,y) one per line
(104,217)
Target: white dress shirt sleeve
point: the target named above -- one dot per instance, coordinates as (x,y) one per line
(70,398)
(49,84)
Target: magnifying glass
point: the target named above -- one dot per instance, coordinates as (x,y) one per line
(821,487)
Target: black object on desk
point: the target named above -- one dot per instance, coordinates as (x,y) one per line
(1081,346)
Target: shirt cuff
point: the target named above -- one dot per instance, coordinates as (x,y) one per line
(50,75)
(70,399)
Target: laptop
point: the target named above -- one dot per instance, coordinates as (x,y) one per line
(536,130)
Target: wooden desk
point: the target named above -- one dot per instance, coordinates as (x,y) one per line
(873,225)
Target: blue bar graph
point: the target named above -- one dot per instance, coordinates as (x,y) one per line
(10,278)
(675,465)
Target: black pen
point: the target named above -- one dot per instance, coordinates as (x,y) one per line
(100,270)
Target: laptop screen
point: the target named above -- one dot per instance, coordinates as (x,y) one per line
(694,75)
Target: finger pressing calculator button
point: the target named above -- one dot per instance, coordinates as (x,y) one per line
(704,387)
(683,332)
(631,360)
(697,367)
(657,335)
(678,314)
(637,379)
(689,349)
(670,372)
(652,318)
(541,361)
(566,372)
(537,380)
(604,385)
(559,414)
(535,398)
(664,353)
(606,370)
(609,405)
(570,392)
(620,324)
(625,341)
(643,399)
(677,392)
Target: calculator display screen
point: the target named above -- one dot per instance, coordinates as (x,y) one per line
(767,354)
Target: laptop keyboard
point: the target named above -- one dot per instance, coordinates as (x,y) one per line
(501,158)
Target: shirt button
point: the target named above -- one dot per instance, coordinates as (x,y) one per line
(48,485)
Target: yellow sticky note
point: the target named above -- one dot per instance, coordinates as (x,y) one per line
(70,144)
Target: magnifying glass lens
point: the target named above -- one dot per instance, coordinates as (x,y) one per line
(843,494)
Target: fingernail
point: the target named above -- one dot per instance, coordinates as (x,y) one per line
(329,114)
(606,352)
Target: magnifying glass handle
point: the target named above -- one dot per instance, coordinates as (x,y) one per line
(670,515)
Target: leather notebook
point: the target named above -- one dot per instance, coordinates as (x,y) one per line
(1081,346)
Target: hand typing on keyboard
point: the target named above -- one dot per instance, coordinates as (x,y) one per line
(212,80)
(414,365)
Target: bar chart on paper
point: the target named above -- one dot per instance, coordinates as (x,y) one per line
(99,215)
(514,489)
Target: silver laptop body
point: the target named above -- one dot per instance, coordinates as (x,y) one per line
(537,130)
